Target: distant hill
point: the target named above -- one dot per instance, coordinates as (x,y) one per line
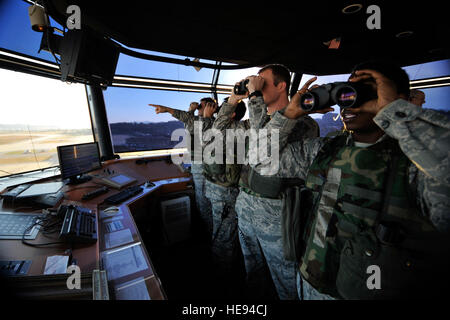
(327,124)
(139,136)
(141,128)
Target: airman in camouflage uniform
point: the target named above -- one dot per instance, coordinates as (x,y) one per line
(351,212)
(195,149)
(259,223)
(222,189)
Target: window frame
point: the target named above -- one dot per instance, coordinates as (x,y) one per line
(20,62)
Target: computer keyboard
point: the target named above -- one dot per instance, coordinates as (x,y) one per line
(79,224)
(94,193)
(14,225)
(124,195)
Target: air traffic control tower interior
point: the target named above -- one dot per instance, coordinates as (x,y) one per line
(90,179)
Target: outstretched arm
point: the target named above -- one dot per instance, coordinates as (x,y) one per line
(187,117)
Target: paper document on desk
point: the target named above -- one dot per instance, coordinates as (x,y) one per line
(132,290)
(124,261)
(113,225)
(118,238)
(56,264)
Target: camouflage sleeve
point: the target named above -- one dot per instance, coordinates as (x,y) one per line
(280,159)
(433,200)
(257,110)
(424,137)
(224,120)
(187,117)
(207,123)
(298,156)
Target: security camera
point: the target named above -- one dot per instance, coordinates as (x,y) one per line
(38,18)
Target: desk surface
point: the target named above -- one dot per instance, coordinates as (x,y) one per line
(118,234)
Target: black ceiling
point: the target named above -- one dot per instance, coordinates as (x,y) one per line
(290,33)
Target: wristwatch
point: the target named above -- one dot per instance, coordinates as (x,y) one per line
(256,93)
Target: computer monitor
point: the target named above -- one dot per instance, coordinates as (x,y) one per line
(77,159)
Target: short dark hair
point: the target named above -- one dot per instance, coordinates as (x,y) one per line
(415,92)
(390,70)
(240,111)
(207,99)
(280,73)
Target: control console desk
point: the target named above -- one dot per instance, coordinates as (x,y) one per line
(120,249)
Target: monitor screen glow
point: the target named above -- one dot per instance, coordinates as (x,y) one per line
(76,159)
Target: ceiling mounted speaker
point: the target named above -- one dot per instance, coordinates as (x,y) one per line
(352,8)
(404,34)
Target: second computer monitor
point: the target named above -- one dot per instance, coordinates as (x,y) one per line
(77,159)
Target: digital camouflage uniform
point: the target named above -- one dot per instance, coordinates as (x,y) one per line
(259,222)
(222,190)
(224,244)
(203,203)
(347,186)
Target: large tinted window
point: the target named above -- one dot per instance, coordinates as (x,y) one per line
(230,77)
(134,124)
(39,114)
(127,65)
(437,98)
(428,70)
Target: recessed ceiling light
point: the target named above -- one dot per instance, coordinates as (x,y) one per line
(436,51)
(353,8)
(404,34)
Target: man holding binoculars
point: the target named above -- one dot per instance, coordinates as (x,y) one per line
(259,203)
(377,195)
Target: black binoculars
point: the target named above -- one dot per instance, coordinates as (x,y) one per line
(241,87)
(344,94)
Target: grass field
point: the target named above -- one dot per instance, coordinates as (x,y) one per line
(20,152)
(6,139)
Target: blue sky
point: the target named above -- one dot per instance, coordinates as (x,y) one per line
(127,104)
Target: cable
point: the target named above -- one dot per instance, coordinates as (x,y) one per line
(49,224)
(49,47)
(34,150)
